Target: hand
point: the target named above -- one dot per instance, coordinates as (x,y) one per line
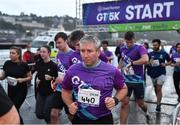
(110,103)
(163,64)
(177,64)
(48,77)
(73,107)
(37,82)
(59,79)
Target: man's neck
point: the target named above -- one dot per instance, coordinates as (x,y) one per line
(65,50)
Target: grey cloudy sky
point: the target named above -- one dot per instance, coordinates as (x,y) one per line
(39,7)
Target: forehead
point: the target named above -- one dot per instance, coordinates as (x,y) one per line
(155,43)
(60,40)
(13,50)
(43,49)
(87,45)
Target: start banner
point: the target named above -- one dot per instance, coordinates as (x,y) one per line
(131,11)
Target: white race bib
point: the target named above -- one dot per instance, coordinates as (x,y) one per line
(128,71)
(89,96)
(155,63)
(11,81)
(177,60)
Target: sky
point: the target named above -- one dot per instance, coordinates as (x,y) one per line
(39,7)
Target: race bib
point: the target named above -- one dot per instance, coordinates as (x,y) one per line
(11,81)
(155,63)
(89,96)
(177,60)
(128,71)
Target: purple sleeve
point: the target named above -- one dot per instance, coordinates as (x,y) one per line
(66,83)
(119,80)
(142,50)
(172,58)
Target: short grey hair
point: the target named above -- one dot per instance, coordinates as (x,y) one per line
(91,39)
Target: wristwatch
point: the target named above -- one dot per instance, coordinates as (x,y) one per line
(116,100)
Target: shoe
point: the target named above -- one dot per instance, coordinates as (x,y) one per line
(147,117)
(158,108)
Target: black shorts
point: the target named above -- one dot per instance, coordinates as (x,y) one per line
(137,88)
(54,101)
(108,119)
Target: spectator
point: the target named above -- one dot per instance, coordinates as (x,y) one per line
(28,56)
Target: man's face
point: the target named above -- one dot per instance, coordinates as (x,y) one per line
(155,46)
(104,46)
(89,53)
(61,44)
(178,48)
(77,45)
(129,43)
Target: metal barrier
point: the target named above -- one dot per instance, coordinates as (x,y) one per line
(176,115)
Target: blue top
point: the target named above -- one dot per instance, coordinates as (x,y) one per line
(161,56)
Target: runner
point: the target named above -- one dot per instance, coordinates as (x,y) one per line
(17,74)
(47,70)
(157,69)
(105,50)
(133,57)
(55,102)
(75,57)
(176,75)
(92,81)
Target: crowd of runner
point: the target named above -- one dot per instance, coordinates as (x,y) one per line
(82,79)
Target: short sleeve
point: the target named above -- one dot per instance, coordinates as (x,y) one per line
(119,80)
(142,50)
(67,83)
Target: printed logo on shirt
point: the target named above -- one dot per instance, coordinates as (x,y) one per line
(61,67)
(161,57)
(81,84)
(75,60)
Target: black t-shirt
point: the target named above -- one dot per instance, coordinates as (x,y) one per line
(16,70)
(5,102)
(42,68)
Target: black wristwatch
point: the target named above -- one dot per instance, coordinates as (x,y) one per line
(116,100)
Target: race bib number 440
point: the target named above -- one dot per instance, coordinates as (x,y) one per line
(89,96)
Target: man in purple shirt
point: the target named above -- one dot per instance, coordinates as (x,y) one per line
(74,39)
(92,82)
(176,63)
(105,50)
(133,57)
(75,57)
